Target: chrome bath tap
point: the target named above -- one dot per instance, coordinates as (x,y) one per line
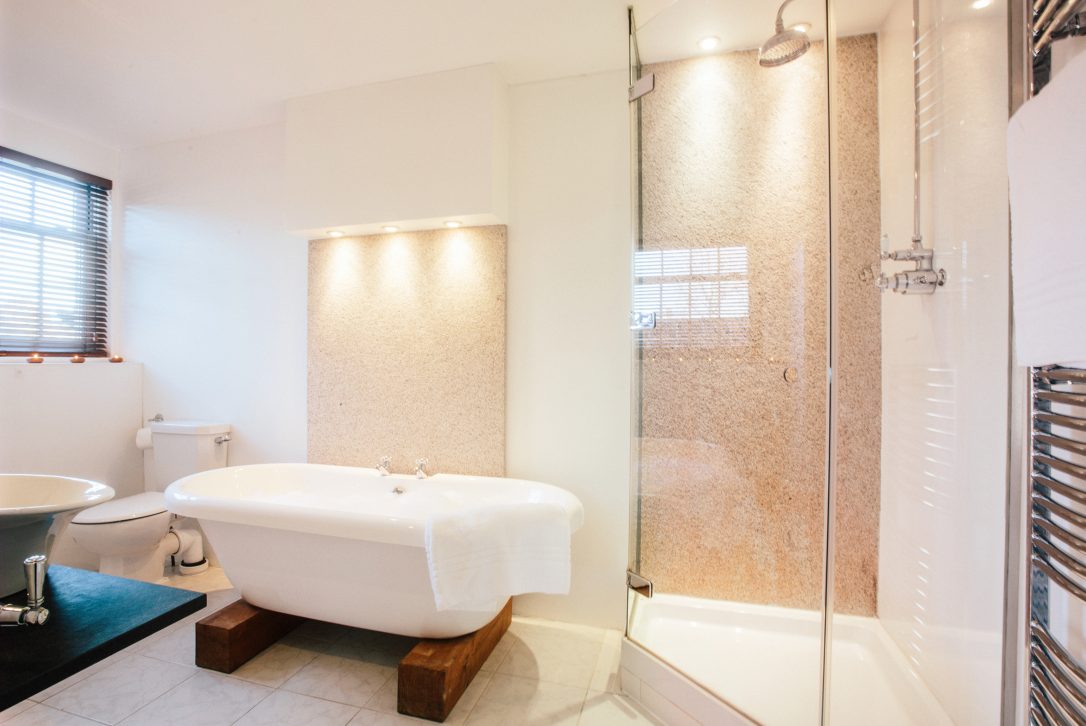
(32,613)
(420,468)
(384,466)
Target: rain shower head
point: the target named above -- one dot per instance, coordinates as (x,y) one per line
(785,45)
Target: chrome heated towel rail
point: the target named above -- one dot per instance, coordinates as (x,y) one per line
(1057,499)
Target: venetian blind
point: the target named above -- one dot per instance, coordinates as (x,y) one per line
(54,246)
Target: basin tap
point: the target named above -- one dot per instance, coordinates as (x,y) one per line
(33,613)
(384,466)
(420,468)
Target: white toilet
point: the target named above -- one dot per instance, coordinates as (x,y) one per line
(134,535)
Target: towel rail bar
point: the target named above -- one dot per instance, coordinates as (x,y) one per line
(1064,467)
(1074,399)
(1061,374)
(1056,419)
(1045,504)
(1059,442)
(1065,538)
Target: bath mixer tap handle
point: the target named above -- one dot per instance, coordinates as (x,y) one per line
(384,465)
(420,468)
(34,569)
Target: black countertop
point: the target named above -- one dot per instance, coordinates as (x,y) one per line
(91,617)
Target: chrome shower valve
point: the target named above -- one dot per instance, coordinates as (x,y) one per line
(923,280)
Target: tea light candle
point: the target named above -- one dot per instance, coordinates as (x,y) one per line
(36,358)
(78,359)
(116,359)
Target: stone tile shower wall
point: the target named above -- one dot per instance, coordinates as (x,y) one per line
(732,455)
(406,347)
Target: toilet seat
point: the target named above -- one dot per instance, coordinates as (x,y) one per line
(123,509)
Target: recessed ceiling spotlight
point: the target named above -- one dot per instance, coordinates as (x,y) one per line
(806,27)
(709,43)
(980,4)
(453,224)
(390,228)
(335,233)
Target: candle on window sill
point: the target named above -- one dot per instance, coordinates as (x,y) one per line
(78,359)
(36,358)
(116,359)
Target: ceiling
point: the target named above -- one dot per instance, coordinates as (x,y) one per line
(137,72)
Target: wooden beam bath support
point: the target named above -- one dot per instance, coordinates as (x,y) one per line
(435,674)
(227,639)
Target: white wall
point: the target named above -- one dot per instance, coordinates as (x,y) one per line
(72,420)
(430,147)
(945,358)
(568,399)
(215,299)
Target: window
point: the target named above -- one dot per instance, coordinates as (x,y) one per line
(701,296)
(54,244)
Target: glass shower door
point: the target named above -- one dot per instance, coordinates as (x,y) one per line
(731,355)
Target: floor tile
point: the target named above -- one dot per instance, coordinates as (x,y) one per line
(40,715)
(553,655)
(370,646)
(9,713)
(206,699)
(120,689)
(526,702)
(77,677)
(354,643)
(367,717)
(176,645)
(605,676)
(612,709)
(340,679)
(274,665)
(283,708)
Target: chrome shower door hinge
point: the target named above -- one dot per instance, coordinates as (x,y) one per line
(639,584)
(642,321)
(643,85)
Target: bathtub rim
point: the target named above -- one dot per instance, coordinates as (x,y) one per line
(408,530)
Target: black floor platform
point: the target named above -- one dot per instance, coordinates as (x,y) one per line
(91,616)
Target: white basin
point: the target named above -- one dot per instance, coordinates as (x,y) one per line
(34,509)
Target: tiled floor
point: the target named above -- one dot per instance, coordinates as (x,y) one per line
(542,672)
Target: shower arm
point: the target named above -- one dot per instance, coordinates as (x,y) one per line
(780,15)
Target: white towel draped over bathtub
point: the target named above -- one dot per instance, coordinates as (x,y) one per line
(493,552)
(1047,164)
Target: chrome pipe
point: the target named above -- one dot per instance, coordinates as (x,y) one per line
(32,613)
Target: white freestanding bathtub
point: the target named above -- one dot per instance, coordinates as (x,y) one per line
(341,544)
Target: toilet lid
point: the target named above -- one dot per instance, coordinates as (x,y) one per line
(123,509)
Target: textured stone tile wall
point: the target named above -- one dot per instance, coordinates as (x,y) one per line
(733,456)
(406,344)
